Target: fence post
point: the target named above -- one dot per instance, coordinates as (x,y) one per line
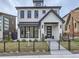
(69,43)
(19,46)
(4,46)
(59,42)
(49,45)
(33,46)
(59,45)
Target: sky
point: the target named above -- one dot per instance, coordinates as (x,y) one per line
(8,6)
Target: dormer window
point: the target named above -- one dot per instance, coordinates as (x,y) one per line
(29,14)
(38,3)
(36,14)
(22,14)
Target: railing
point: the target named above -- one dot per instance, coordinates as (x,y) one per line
(24,46)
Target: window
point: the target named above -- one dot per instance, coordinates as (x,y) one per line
(33,32)
(69,26)
(36,32)
(29,14)
(27,28)
(75,25)
(65,27)
(22,14)
(38,4)
(43,11)
(22,32)
(36,14)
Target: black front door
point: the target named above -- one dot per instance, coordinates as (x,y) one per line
(49,31)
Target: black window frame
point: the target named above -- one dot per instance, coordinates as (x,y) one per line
(22,14)
(36,14)
(34,33)
(44,11)
(29,14)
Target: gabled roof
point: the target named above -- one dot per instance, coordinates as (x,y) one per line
(2,13)
(68,19)
(54,13)
(72,11)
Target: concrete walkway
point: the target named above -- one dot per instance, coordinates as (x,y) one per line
(54,49)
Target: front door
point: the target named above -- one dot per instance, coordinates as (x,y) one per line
(49,31)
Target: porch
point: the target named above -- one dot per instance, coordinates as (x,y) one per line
(51,31)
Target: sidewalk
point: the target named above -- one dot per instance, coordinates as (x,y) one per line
(54,49)
(44,56)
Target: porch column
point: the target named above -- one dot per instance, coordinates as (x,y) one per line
(39,33)
(18,33)
(42,29)
(59,31)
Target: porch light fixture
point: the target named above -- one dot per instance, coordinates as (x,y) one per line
(42,26)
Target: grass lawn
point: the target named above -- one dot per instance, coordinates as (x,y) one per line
(74,45)
(24,47)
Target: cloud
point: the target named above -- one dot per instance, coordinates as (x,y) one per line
(67,6)
(6,7)
(30,3)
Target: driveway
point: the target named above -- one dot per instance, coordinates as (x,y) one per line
(54,49)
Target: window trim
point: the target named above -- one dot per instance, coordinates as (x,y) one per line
(36,14)
(22,14)
(35,33)
(29,14)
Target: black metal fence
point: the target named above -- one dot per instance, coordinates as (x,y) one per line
(46,46)
(24,46)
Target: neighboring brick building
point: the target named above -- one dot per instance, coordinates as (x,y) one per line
(7,25)
(71,25)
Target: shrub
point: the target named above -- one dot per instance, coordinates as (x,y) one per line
(43,40)
(30,40)
(18,41)
(23,40)
(35,40)
(8,39)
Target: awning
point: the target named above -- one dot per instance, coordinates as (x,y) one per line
(28,24)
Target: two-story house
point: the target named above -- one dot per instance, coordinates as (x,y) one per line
(39,21)
(71,25)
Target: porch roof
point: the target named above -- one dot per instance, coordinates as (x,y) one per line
(28,24)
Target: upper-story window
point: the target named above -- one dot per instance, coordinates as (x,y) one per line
(29,14)
(36,14)
(38,4)
(44,11)
(22,14)
(69,26)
